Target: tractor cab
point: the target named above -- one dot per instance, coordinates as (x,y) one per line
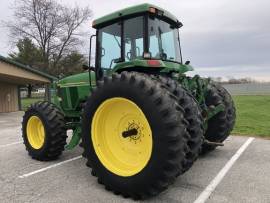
(137,37)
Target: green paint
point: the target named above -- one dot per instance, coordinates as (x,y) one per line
(164,67)
(76,80)
(176,67)
(215,110)
(76,137)
(133,10)
(70,92)
(137,63)
(199,87)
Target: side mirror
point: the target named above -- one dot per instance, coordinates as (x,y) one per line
(86,67)
(187,62)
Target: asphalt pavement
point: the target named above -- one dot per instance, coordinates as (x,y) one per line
(233,173)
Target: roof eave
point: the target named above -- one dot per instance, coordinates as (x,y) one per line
(28,68)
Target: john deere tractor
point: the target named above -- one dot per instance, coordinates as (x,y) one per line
(140,120)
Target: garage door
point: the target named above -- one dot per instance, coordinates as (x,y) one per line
(8,97)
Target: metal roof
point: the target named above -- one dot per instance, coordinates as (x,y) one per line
(27,68)
(141,8)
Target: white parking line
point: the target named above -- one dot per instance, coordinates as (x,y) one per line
(214,183)
(10,144)
(49,167)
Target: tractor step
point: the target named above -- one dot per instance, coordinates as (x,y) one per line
(207,142)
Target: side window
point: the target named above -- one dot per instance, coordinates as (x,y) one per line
(139,47)
(163,40)
(133,38)
(110,45)
(167,39)
(153,46)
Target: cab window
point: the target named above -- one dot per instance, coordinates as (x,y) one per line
(133,38)
(110,45)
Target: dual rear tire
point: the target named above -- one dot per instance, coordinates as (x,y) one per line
(135,135)
(193,116)
(220,125)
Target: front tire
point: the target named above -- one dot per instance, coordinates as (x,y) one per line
(43,131)
(147,162)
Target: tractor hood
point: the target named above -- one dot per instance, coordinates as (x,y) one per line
(76,80)
(82,79)
(162,66)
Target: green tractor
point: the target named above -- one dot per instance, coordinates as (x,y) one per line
(140,120)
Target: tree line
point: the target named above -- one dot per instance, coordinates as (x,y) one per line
(232,80)
(48,35)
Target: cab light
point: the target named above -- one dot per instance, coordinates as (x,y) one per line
(153,62)
(93,23)
(152,10)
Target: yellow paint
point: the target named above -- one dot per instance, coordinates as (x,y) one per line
(35,132)
(121,156)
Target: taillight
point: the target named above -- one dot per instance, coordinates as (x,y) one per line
(153,62)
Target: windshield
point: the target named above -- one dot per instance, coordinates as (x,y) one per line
(110,42)
(163,41)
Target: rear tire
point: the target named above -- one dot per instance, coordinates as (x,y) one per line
(193,116)
(167,124)
(220,125)
(43,131)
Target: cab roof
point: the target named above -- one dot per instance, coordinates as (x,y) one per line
(133,10)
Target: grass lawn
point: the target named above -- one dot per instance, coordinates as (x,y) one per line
(28,101)
(253,115)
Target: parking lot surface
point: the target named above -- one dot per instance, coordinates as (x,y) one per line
(69,180)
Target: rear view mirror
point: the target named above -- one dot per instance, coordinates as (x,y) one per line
(86,67)
(187,62)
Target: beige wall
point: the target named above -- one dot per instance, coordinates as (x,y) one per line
(8,97)
(10,77)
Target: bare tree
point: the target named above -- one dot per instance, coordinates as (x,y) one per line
(54,28)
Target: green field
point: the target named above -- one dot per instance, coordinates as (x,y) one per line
(28,101)
(253,115)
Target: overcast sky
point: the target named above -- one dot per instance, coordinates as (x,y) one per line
(228,38)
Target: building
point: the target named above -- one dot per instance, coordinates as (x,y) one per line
(12,76)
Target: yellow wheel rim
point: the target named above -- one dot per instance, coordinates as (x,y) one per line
(35,132)
(120,154)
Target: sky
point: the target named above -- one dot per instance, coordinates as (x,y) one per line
(224,38)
